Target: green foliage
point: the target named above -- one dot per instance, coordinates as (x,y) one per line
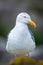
(38,36)
(4,29)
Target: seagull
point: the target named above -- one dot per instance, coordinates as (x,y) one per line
(19,40)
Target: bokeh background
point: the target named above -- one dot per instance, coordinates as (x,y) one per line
(9,9)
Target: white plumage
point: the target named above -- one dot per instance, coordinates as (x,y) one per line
(19,39)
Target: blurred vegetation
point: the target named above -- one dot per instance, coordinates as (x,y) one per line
(38,37)
(4,29)
(25,61)
(10,9)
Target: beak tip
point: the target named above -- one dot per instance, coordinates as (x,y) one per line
(32,23)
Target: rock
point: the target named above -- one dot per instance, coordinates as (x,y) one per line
(37,53)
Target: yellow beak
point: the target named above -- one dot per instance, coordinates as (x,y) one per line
(33,24)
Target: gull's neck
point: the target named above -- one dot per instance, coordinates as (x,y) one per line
(21,24)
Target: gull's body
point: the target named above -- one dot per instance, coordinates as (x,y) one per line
(20,40)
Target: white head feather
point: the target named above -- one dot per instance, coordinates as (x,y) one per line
(23,17)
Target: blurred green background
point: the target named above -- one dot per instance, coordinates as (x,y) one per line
(9,10)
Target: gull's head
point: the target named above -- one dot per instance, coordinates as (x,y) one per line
(25,18)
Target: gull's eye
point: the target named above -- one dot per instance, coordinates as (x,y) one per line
(24,16)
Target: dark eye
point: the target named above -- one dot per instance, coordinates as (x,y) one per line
(24,16)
